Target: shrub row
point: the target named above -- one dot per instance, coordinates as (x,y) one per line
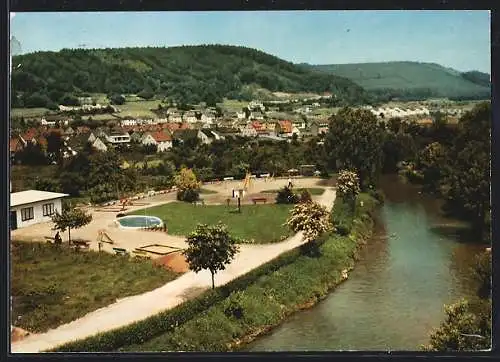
(166,321)
(234,321)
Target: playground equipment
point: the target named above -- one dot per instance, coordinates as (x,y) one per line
(247,181)
(103,237)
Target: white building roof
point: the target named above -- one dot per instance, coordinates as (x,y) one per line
(31,196)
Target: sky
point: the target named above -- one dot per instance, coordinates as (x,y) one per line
(453,38)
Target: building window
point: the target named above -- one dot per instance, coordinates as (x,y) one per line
(48,209)
(27,214)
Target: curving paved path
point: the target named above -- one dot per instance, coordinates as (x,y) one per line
(138,307)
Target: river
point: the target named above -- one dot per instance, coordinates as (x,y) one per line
(413,265)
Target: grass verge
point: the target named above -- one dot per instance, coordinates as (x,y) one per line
(182,218)
(51,286)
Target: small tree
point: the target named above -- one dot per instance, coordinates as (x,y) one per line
(311,218)
(187,185)
(348,187)
(210,247)
(286,196)
(72,218)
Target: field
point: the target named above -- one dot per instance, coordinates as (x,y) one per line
(233,104)
(182,218)
(138,109)
(53,286)
(28,112)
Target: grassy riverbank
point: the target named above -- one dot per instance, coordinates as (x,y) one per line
(230,316)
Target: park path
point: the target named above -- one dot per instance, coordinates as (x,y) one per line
(139,307)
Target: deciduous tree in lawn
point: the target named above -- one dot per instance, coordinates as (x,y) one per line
(311,218)
(348,187)
(210,247)
(187,184)
(71,218)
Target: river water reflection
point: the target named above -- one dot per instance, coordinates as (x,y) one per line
(416,262)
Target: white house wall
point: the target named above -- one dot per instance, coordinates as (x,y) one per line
(37,212)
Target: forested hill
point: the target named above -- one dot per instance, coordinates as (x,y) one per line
(412,80)
(187,74)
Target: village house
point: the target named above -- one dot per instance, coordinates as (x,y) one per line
(248,130)
(205,137)
(284,128)
(300,124)
(91,138)
(189,117)
(162,140)
(16,144)
(175,117)
(99,145)
(118,138)
(33,207)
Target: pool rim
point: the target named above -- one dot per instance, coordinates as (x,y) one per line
(117,221)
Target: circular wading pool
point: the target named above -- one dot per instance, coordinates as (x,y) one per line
(138,222)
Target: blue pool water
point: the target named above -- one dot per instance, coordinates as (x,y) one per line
(139,221)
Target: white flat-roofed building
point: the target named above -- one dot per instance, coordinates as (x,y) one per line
(33,207)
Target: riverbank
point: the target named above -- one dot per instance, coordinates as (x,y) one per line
(246,313)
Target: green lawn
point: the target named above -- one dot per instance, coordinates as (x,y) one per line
(312,190)
(207,192)
(53,286)
(28,112)
(138,109)
(260,223)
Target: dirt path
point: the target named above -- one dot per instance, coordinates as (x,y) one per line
(135,308)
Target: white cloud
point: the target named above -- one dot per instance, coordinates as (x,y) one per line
(12,15)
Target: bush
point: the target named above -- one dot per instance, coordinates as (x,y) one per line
(342,217)
(286,196)
(117,99)
(188,195)
(377,195)
(305,196)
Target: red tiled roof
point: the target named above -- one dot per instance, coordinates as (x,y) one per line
(161,137)
(286,126)
(257,125)
(14,144)
(29,134)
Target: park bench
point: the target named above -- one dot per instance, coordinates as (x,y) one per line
(259,199)
(50,239)
(198,202)
(120,251)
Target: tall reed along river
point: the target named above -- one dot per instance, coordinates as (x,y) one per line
(416,261)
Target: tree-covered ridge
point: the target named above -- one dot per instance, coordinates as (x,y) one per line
(189,74)
(412,80)
(477,77)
